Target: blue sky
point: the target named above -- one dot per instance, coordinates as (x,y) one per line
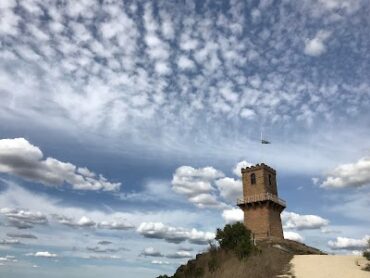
(124,124)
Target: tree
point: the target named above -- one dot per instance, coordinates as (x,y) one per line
(235,238)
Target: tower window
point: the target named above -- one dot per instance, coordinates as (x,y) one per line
(270,181)
(253,178)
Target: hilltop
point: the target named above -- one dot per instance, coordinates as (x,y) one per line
(269,258)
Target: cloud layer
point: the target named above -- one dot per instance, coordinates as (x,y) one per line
(126,69)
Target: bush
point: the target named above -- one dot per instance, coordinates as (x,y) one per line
(235,238)
(366,253)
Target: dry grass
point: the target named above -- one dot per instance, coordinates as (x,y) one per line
(270,259)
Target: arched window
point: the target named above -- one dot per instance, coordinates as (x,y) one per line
(253,178)
(270,180)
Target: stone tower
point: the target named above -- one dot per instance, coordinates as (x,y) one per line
(260,202)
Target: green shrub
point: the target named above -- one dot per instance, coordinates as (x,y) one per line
(235,238)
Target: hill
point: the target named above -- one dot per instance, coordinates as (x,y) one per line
(269,258)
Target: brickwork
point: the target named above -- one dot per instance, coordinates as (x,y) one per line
(262,217)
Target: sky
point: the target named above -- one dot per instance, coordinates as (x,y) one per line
(124,126)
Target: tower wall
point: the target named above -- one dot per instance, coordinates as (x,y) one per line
(276,229)
(261,213)
(256,219)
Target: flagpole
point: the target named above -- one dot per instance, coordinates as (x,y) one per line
(261,147)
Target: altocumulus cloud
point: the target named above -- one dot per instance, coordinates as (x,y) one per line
(21,158)
(316,46)
(174,234)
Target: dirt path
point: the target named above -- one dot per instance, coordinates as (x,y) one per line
(308,266)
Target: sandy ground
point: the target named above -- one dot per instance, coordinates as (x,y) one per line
(309,266)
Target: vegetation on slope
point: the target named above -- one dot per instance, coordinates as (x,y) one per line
(366,254)
(236,256)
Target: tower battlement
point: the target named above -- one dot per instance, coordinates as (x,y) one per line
(257,167)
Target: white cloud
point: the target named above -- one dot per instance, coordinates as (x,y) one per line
(348,5)
(233,215)
(315,181)
(8,258)
(43,254)
(196,185)
(247,113)
(159,262)
(24,219)
(293,220)
(162,68)
(230,189)
(349,175)
(174,234)
(105,257)
(151,252)
(9,241)
(179,255)
(115,225)
(205,201)
(349,243)
(8,18)
(84,221)
(293,236)
(19,157)
(316,46)
(237,170)
(185,63)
